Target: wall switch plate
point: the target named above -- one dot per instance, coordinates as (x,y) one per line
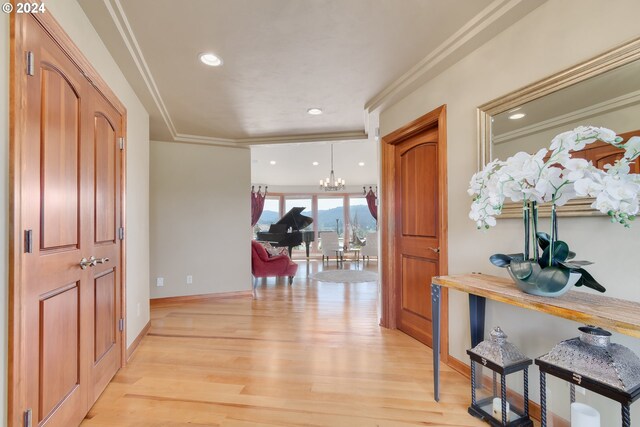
(160,281)
(138,309)
(189,279)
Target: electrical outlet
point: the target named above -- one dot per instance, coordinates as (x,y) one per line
(189,279)
(138,309)
(160,281)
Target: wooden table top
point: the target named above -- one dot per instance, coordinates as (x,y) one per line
(609,313)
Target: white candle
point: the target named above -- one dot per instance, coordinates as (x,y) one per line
(497,409)
(584,416)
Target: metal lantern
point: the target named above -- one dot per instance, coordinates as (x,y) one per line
(502,358)
(592,362)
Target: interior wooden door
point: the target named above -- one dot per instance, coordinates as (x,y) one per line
(104,133)
(601,153)
(54,169)
(417,231)
(69,198)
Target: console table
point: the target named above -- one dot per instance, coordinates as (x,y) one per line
(610,313)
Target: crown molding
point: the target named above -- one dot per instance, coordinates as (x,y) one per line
(126,33)
(318,137)
(445,51)
(284,139)
(613,104)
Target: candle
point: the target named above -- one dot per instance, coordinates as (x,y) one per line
(497,409)
(584,416)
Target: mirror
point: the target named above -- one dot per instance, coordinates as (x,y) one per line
(604,91)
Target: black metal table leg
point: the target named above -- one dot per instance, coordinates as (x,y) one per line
(526,392)
(435,323)
(477,306)
(626,415)
(543,399)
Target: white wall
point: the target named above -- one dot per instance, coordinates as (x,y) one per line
(200,219)
(556,35)
(69,14)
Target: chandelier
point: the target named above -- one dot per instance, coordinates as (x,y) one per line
(331,183)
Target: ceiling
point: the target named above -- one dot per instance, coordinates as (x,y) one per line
(294,163)
(282,57)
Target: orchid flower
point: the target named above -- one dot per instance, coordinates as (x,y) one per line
(527,177)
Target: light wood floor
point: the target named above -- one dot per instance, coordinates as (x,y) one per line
(310,354)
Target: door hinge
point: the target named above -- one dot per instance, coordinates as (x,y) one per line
(28,241)
(121,233)
(27,418)
(121,142)
(31,66)
(121,325)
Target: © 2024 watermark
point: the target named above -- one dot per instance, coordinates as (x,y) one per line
(33,7)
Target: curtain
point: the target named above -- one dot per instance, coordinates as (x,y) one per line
(371,202)
(257,205)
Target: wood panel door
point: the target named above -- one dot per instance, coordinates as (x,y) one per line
(413,225)
(104,205)
(417,233)
(69,209)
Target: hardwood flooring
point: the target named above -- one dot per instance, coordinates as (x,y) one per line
(310,354)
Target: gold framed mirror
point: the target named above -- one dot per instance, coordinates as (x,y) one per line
(603,91)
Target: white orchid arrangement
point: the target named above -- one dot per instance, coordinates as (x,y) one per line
(553,176)
(528,177)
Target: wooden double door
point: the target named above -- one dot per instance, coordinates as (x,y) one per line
(68,191)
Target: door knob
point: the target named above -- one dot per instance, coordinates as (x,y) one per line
(92,262)
(436,250)
(84,263)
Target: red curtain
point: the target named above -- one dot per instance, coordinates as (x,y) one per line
(371,202)
(257,205)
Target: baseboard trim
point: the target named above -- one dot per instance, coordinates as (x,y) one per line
(134,345)
(534,408)
(158,302)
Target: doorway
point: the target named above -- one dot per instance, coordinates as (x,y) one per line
(414,225)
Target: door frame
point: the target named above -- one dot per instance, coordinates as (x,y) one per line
(17,122)
(389,265)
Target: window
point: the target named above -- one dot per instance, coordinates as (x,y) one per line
(331,216)
(360,222)
(294,202)
(270,214)
(305,203)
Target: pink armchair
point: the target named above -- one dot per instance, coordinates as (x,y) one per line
(263,266)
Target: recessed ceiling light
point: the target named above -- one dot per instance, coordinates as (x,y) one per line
(361,164)
(273,162)
(517,116)
(314,111)
(210,59)
(315,163)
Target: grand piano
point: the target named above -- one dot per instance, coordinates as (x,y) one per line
(279,234)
